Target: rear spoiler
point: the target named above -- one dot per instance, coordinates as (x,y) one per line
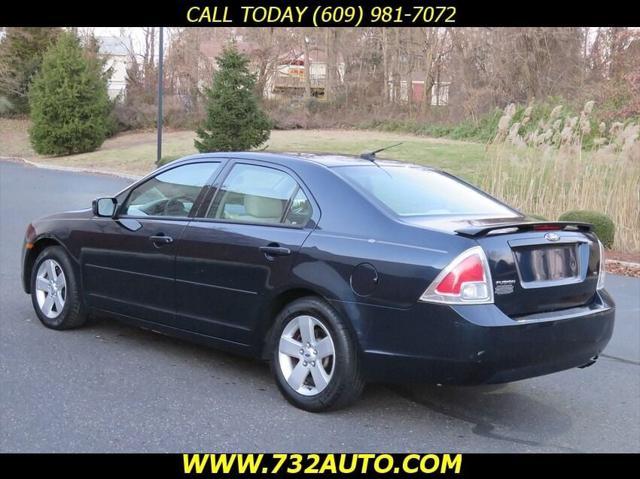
(500,228)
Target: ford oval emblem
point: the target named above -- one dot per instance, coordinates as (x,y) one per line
(552,237)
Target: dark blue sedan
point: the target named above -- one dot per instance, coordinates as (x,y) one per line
(339,270)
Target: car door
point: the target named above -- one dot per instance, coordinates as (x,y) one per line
(128,264)
(239,250)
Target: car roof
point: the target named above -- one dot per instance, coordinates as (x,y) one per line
(324,159)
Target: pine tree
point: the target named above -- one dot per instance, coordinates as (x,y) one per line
(69,101)
(234,119)
(21,52)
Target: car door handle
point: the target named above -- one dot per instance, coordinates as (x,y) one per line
(161,239)
(273,250)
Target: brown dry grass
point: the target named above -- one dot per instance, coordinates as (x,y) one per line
(14,138)
(552,184)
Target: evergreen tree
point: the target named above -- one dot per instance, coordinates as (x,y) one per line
(234,119)
(21,52)
(69,101)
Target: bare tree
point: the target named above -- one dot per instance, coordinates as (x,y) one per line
(331,45)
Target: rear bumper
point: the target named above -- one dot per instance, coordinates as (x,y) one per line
(478,344)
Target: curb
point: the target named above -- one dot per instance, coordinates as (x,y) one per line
(71,169)
(626,264)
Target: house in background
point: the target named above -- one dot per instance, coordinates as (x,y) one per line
(289,78)
(117,52)
(439,90)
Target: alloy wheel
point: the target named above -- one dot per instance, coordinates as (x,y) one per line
(51,288)
(306,355)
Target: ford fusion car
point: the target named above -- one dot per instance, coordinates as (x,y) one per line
(338,270)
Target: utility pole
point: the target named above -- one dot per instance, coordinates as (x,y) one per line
(160,92)
(307,68)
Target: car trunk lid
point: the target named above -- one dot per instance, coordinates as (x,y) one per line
(540,270)
(536,266)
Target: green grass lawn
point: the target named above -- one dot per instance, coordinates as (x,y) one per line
(457,157)
(135,153)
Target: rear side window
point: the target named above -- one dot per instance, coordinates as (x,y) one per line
(259,194)
(299,212)
(172,193)
(416,191)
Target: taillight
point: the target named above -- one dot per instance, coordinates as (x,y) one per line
(601,270)
(466,280)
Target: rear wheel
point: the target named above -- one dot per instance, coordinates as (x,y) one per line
(54,290)
(315,360)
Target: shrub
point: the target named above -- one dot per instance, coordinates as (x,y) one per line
(289,115)
(234,119)
(5,105)
(482,130)
(602,224)
(137,112)
(70,107)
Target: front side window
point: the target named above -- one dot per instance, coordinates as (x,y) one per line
(259,194)
(172,193)
(416,191)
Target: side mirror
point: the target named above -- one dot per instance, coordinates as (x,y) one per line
(104,207)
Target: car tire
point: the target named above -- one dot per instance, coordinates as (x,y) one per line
(329,364)
(55,290)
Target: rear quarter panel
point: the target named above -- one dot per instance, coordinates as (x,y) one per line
(351,232)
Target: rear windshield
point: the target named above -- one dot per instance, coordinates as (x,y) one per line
(416,191)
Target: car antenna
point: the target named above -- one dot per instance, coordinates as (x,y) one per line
(371,155)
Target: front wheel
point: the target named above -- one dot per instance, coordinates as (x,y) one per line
(54,290)
(315,359)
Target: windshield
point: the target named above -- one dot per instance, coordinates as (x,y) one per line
(417,191)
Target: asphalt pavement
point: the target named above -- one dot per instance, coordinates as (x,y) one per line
(110,387)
